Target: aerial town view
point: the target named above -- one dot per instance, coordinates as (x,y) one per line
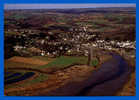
(70,50)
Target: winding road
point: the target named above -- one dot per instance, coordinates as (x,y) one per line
(106,81)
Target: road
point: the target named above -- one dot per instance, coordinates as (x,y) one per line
(106,81)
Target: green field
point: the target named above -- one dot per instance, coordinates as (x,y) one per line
(65,61)
(60,62)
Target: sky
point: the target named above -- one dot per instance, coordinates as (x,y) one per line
(63,6)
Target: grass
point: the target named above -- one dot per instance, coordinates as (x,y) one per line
(65,61)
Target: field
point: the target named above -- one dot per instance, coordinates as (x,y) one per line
(20,72)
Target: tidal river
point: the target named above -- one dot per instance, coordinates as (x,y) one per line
(106,81)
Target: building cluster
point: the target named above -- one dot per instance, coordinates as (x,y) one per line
(114,44)
(73,42)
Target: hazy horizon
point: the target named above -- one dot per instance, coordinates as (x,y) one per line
(63,6)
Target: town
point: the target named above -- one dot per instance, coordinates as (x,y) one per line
(54,44)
